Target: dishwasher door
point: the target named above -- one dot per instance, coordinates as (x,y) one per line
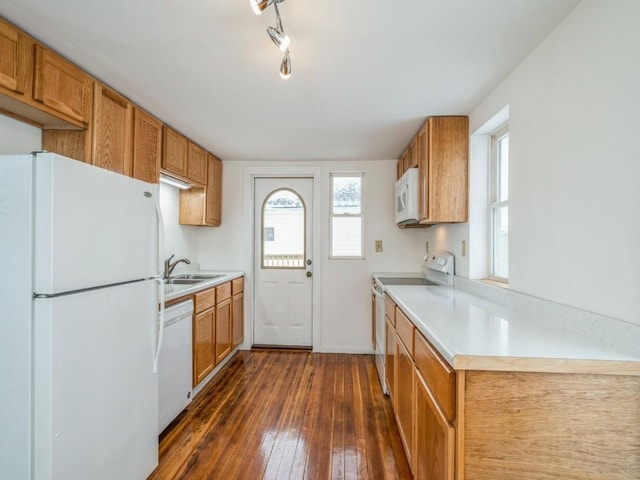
(175,363)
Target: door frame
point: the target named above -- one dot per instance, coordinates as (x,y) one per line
(250,173)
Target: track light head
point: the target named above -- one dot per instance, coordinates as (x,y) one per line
(260,6)
(279,38)
(285,66)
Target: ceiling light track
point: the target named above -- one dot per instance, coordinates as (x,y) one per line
(277,33)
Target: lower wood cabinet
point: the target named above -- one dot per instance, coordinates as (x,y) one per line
(203,348)
(389,359)
(203,334)
(404,401)
(237,311)
(223,329)
(434,442)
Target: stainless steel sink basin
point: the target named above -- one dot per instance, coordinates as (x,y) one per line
(182,281)
(197,276)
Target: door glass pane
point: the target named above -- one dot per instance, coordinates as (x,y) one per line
(346,195)
(346,239)
(501,242)
(283,230)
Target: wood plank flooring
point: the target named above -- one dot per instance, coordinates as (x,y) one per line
(287,415)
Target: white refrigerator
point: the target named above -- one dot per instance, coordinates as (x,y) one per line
(80,286)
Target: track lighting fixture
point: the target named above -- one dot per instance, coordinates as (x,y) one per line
(277,33)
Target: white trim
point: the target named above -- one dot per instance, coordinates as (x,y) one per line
(249,174)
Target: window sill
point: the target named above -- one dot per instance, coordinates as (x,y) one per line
(494,282)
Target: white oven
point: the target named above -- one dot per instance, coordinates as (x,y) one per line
(437,271)
(378,291)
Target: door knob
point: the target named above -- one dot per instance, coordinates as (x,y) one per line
(308,261)
(309,274)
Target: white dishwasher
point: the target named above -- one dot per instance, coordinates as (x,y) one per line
(175,363)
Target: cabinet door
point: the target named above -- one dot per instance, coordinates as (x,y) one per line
(404,397)
(61,85)
(147,146)
(223,330)
(203,344)
(175,152)
(435,438)
(17,62)
(213,209)
(112,129)
(422,148)
(389,359)
(197,164)
(237,312)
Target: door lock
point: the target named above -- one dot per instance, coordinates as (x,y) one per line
(308,261)
(309,274)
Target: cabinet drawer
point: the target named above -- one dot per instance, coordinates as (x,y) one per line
(390,309)
(237,286)
(438,375)
(223,291)
(405,330)
(205,300)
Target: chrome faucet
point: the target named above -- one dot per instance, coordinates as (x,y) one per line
(168,266)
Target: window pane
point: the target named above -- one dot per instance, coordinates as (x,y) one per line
(283,231)
(346,195)
(346,238)
(501,242)
(503,168)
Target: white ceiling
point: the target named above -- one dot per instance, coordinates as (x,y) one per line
(366,73)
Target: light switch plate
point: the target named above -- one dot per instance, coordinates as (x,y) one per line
(378,246)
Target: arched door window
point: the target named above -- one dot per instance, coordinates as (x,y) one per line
(283,230)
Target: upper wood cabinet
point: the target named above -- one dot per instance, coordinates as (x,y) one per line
(112,131)
(61,85)
(197,164)
(203,206)
(16,59)
(175,152)
(443,162)
(213,194)
(147,146)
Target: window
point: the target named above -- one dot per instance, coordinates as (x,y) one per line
(283,234)
(346,215)
(499,204)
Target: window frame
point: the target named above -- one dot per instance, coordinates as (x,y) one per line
(496,205)
(333,215)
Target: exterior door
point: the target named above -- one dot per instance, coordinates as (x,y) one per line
(283,263)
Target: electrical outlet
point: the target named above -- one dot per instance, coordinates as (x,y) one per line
(378,246)
(463,247)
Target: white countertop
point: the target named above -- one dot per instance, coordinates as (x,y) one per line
(472,332)
(179,290)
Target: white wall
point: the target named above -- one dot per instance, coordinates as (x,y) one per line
(575,163)
(180,240)
(18,137)
(345,318)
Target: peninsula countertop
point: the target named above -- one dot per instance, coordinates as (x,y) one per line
(474,333)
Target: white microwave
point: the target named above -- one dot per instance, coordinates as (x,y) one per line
(407,197)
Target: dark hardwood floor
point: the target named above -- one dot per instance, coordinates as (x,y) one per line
(287,415)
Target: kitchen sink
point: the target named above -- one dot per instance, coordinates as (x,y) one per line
(197,276)
(182,281)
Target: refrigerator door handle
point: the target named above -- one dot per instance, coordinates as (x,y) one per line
(160,327)
(160,266)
